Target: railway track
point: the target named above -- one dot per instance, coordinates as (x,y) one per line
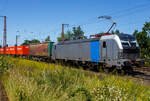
(142,73)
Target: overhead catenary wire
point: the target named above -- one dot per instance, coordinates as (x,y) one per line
(118,14)
(138,10)
(122,12)
(91,20)
(128,9)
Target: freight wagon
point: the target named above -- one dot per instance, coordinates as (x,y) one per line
(16,50)
(41,51)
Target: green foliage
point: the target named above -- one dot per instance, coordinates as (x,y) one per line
(26,42)
(67,36)
(29,42)
(146,28)
(5,64)
(117,89)
(143,39)
(115,32)
(59,39)
(47,39)
(76,33)
(35,41)
(35,81)
(81,90)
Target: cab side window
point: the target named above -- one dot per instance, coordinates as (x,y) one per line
(104,44)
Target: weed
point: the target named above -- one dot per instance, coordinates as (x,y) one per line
(37,81)
(5,64)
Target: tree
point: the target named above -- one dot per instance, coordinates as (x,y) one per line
(35,41)
(47,38)
(78,33)
(67,36)
(143,39)
(115,32)
(59,39)
(146,28)
(29,42)
(26,42)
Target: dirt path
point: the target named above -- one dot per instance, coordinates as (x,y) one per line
(3,95)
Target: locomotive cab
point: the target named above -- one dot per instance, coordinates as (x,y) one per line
(130,46)
(119,50)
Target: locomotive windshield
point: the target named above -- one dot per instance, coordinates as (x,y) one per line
(128,40)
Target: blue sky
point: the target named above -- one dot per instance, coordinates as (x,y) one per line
(40,18)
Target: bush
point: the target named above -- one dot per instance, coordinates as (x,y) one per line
(5,64)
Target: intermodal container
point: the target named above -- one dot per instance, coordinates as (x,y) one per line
(22,50)
(12,50)
(8,50)
(1,50)
(39,49)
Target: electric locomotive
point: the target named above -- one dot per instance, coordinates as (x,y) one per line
(118,50)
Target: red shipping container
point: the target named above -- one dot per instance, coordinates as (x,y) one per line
(22,50)
(12,50)
(7,50)
(26,50)
(1,50)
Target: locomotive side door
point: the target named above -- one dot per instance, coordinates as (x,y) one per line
(104,50)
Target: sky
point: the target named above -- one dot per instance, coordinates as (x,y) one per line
(36,19)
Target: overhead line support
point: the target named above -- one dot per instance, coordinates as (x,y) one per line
(5,34)
(62,33)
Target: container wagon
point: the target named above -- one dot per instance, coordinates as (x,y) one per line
(41,51)
(16,50)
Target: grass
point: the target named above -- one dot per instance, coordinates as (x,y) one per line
(36,81)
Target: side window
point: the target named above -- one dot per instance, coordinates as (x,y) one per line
(104,44)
